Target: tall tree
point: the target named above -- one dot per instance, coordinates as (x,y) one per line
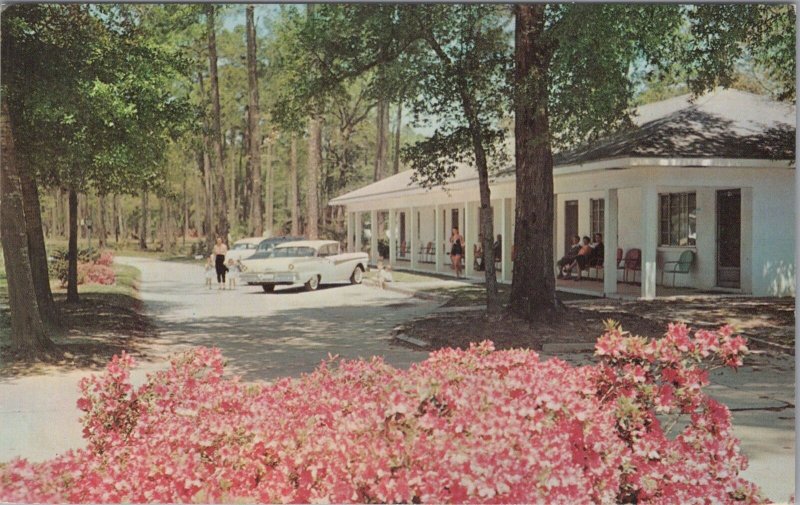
(144,217)
(27,329)
(36,248)
(256,223)
(218,161)
(295,191)
(312,177)
(382,139)
(398,127)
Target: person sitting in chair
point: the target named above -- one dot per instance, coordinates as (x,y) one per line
(477,255)
(570,256)
(582,259)
(598,251)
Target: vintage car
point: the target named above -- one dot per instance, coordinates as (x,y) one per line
(264,249)
(243,248)
(306,262)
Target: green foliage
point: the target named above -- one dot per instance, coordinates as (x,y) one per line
(59,263)
(90,94)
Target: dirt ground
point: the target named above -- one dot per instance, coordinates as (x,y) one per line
(93,330)
(770,320)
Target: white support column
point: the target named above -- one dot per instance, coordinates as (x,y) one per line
(437,241)
(469,239)
(373,236)
(358,233)
(506,218)
(413,225)
(392,237)
(649,241)
(611,241)
(348,243)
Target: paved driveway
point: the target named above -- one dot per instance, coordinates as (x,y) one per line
(284,333)
(262,337)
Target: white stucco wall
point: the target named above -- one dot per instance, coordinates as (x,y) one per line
(774,230)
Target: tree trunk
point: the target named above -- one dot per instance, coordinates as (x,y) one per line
(312,181)
(101,225)
(72,248)
(208,175)
(27,329)
(143,223)
(37,252)
(256,220)
(185,212)
(533,286)
(270,190)
(397,138)
(218,164)
(382,140)
(117,217)
(56,213)
(295,204)
(486,219)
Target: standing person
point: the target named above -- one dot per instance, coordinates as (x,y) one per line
(209,271)
(220,250)
(233,273)
(456,250)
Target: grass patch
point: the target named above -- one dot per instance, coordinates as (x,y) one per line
(129,248)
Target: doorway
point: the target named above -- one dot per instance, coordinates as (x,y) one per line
(570,223)
(729,238)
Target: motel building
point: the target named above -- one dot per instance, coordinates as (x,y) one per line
(699,197)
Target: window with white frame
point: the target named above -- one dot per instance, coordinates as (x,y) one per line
(678,219)
(597,209)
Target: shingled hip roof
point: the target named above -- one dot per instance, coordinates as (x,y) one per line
(721,124)
(726,124)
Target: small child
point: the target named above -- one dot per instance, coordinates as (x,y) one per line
(384,275)
(209,272)
(233,273)
(381,279)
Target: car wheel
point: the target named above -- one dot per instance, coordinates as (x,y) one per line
(358,275)
(268,288)
(312,284)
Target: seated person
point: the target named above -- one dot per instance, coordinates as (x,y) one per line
(582,259)
(597,255)
(570,256)
(477,254)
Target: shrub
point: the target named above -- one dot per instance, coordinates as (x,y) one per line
(95,273)
(59,264)
(106,258)
(473,425)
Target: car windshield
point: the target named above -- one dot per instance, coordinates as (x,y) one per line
(293,252)
(239,247)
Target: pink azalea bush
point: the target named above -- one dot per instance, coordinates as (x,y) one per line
(95,273)
(474,425)
(106,258)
